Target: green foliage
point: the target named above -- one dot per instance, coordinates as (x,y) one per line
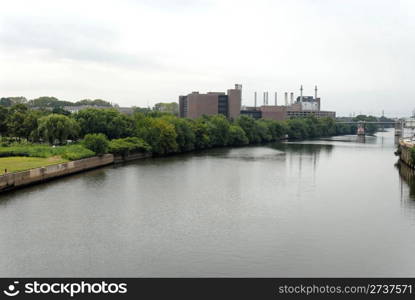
(96,142)
(201,132)
(46,101)
(218,128)
(171,108)
(15,118)
(74,152)
(297,129)
(250,126)
(3,120)
(71,152)
(96,102)
(10,101)
(237,136)
(185,136)
(107,121)
(158,133)
(128,145)
(59,128)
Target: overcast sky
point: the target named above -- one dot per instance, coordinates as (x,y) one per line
(360,53)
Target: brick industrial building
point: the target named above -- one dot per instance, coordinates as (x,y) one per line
(195,104)
(303,106)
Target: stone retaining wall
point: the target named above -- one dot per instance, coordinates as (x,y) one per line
(14,180)
(405,154)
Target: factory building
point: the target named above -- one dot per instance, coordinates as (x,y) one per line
(195,104)
(303,106)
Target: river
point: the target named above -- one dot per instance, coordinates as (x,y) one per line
(332,207)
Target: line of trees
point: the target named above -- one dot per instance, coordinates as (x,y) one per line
(155,131)
(51,102)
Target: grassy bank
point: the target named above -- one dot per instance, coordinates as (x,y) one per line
(19,163)
(67,152)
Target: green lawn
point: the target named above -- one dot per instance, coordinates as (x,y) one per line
(20,163)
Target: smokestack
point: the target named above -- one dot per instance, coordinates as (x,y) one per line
(301,93)
(255,98)
(292,97)
(315,92)
(286,98)
(275,98)
(265,98)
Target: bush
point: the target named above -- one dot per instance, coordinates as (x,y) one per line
(127,145)
(71,152)
(75,152)
(96,142)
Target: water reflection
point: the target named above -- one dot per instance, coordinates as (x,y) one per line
(332,207)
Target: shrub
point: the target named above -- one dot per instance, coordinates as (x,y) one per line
(71,152)
(127,145)
(96,142)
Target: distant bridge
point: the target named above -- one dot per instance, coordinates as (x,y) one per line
(361,125)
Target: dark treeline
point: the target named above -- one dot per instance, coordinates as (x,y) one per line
(51,102)
(154,131)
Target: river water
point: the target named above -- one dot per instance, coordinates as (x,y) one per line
(333,207)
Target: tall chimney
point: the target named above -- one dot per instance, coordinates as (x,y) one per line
(301,93)
(265,97)
(292,97)
(275,98)
(315,92)
(286,98)
(255,99)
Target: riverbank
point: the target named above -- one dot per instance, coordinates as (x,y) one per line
(13,164)
(15,180)
(405,152)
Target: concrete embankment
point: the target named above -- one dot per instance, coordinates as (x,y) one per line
(405,152)
(18,179)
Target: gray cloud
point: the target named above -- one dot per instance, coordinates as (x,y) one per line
(76,41)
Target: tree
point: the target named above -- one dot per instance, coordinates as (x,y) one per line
(237,136)
(218,128)
(61,111)
(171,108)
(30,125)
(158,133)
(297,128)
(3,120)
(277,129)
(107,121)
(250,126)
(10,101)
(201,132)
(264,133)
(46,101)
(96,142)
(185,136)
(58,128)
(15,119)
(96,102)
